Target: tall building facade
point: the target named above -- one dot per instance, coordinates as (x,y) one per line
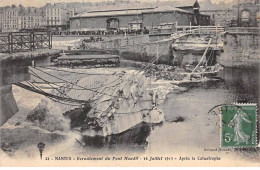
(57,15)
(54,16)
(10,19)
(1,17)
(31,18)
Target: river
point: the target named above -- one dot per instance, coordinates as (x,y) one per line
(188,128)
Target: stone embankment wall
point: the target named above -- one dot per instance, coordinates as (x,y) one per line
(139,48)
(148,51)
(240,50)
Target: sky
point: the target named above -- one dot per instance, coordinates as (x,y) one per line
(38,3)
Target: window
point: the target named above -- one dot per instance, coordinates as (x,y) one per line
(245,15)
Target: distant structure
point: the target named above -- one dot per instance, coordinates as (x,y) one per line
(243,13)
(220,17)
(1,19)
(53,16)
(14,19)
(105,15)
(31,18)
(57,15)
(247,13)
(136,16)
(9,17)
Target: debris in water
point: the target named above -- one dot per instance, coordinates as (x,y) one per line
(38,114)
(178,119)
(41,117)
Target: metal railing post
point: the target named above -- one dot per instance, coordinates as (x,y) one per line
(21,42)
(9,42)
(176,26)
(31,41)
(50,39)
(190,27)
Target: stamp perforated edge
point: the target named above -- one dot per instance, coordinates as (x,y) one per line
(256,118)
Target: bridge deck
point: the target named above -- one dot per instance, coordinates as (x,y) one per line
(84,57)
(30,55)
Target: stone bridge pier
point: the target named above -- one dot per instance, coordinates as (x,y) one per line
(14,69)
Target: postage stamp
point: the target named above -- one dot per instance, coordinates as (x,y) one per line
(239,125)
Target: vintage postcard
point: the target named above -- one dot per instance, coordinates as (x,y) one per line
(129,83)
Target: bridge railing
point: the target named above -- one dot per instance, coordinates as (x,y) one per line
(255,30)
(24,41)
(200,29)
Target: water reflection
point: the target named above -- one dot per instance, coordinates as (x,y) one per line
(243,82)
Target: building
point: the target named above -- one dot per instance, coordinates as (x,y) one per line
(1,18)
(247,13)
(77,7)
(193,8)
(14,18)
(220,17)
(31,18)
(57,15)
(10,19)
(134,16)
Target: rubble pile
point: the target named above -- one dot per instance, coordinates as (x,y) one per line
(120,102)
(165,72)
(85,43)
(117,108)
(116,102)
(41,117)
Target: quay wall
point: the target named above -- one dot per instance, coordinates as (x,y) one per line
(240,49)
(147,52)
(139,48)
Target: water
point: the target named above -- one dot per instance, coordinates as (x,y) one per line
(188,127)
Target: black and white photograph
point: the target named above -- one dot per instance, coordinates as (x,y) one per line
(129,83)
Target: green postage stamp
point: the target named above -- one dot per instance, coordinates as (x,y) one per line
(239,125)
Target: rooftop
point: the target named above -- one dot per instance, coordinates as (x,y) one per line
(120,7)
(31,11)
(129,9)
